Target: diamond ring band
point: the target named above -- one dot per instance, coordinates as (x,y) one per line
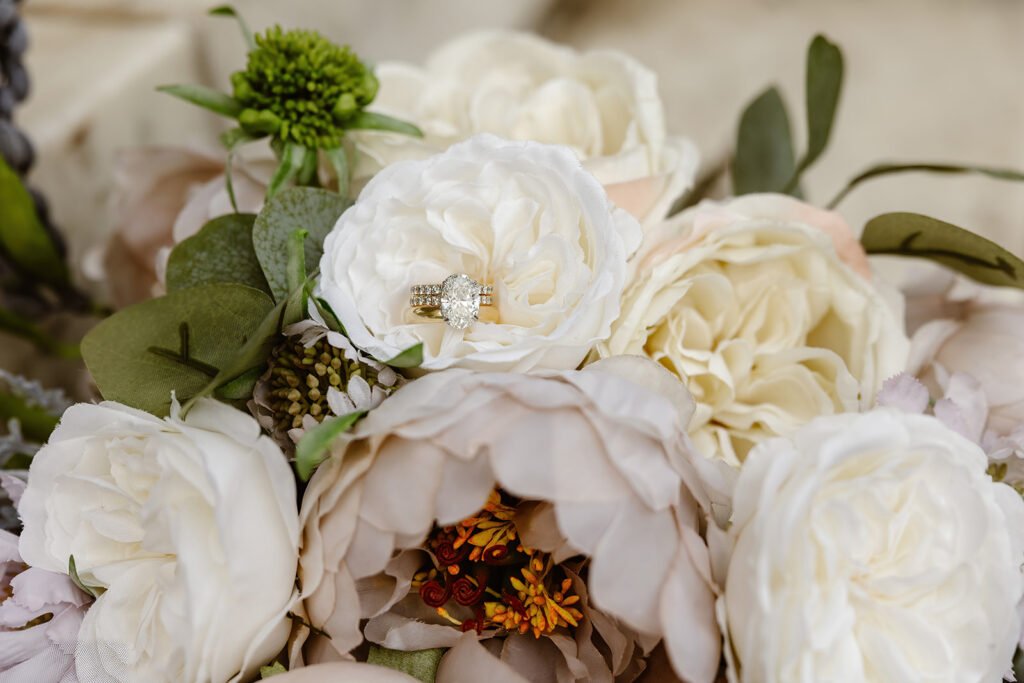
(457,300)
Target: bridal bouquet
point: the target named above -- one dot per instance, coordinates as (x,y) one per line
(465,378)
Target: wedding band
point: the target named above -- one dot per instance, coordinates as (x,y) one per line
(457,300)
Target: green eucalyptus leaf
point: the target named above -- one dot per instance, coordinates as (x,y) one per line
(208,98)
(305,208)
(824,84)
(420,664)
(889,168)
(366,120)
(342,169)
(229,11)
(292,158)
(22,235)
(764,160)
(36,423)
(911,234)
(220,252)
(177,342)
(73,573)
(412,357)
(312,447)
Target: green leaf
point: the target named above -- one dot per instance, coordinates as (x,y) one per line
(22,235)
(241,387)
(306,208)
(911,234)
(307,175)
(312,447)
(339,160)
(420,664)
(366,120)
(296,268)
(73,573)
(888,168)
(412,357)
(824,84)
(272,670)
(208,98)
(292,157)
(173,343)
(327,313)
(221,252)
(229,11)
(764,160)
(36,423)
(17,325)
(232,140)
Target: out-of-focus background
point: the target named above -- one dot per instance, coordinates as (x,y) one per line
(937,80)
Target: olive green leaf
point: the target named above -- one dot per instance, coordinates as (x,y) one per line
(888,168)
(312,209)
(233,139)
(823,86)
(312,447)
(22,236)
(221,252)
(911,234)
(367,120)
(73,573)
(208,98)
(420,664)
(229,11)
(292,160)
(764,160)
(412,357)
(20,326)
(272,670)
(177,342)
(339,160)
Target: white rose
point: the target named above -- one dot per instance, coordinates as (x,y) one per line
(190,527)
(520,216)
(757,305)
(602,104)
(873,548)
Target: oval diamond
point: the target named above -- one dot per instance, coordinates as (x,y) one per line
(460,301)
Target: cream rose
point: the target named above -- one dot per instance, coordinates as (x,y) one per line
(602,104)
(520,216)
(750,304)
(188,528)
(589,477)
(873,547)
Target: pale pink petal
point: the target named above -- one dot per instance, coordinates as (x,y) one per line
(469,661)
(905,392)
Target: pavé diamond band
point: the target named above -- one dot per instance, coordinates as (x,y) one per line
(457,300)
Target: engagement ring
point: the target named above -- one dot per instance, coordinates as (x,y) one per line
(457,300)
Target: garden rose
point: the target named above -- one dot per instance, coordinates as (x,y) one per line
(767,325)
(558,466)
(520,216)
(343,672)
(602,104)
(873,547)
(189,529)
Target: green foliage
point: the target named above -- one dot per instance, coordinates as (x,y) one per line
(229,11)
(207,98)
(420,664)
(221,252)
(911,234)
(19,326)
(36,422)
(367,120)
(178,342)
(824,84)
(312,448)
(73,573)
(764,160)
(299,208)
(22,236)
(412,357)
(889,168)
(272,670)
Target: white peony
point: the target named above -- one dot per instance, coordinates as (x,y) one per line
(873,547)
(520,216)
(187,527)
(602,104)
(757,304)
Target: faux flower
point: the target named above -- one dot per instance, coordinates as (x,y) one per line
(873,547)
(161,196)
(540,513)
(522,217)
(186,528)
(754,308)
(602,104)
(314,374)
(40,613)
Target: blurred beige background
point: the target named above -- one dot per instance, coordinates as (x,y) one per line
(935,80)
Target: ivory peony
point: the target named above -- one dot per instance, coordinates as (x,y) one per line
(873,547)
(187,528)
(587,464)
(767,323)
(520,216)
(604,105)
